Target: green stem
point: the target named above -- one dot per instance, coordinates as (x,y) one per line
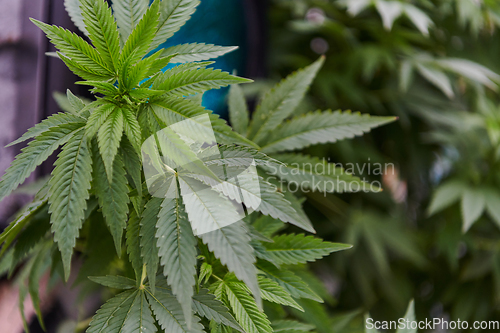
(143,276)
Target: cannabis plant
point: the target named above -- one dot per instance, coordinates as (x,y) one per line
(147,185)
(436,69)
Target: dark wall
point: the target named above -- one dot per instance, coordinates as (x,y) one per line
(28,78)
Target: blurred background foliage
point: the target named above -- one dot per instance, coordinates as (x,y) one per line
(432,235)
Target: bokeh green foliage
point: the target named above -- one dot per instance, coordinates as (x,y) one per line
(433,234)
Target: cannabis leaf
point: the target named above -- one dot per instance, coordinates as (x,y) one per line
(177,250)
(169,314)
(75,13)
(128,13)
(238,111)
(196,52)
(112,195)
(109,136)
(79,55)
(248,315)
(102,30)
(223,204)
(69,191)
(149,249)
(320,127)
(126,312)
(173,15)
(281,101)
(209,307)
(32,156)
(293,249)
(289,281)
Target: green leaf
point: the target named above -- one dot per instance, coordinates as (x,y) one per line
(245,310)
(436,77)
(236,156)
(23,291)
(41,264)
(52,121)
(418,18)
(140,319)
(177,250)
(198,81)
(257,194)
(131,77)
(132,129)
(196,52)
(133,241)
(409,317)
(174,109)
(320,127)
(147,121)
(108,137)
(492,198)
(75,13)
(173,15)
(206,271)
(140,39)
(149,249)
(112,195)
(99,87)
(231,244)
(289,281)
(114,281)
(162,77)
(294,249)
(169,314)
(128,13)
(110,317)
(219,328)
(34,154)
(207,210)
(208,306)
(81,53)
(81,71)
(273,292)
(445,195)
(274,204)
(473,204)
(97,119)
(267,225)
(63,102)
(238,110)
(144,93)
(290,326)
(23,218)
(7,261)
(133,165)
(307,172)
(389,11)
(470,70)
(77,104)
(31,236)
(146,68)
(126,312)
(281,101)
(102,30)
(69,191)
(315,314)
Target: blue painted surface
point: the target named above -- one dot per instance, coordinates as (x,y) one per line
(219,22)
